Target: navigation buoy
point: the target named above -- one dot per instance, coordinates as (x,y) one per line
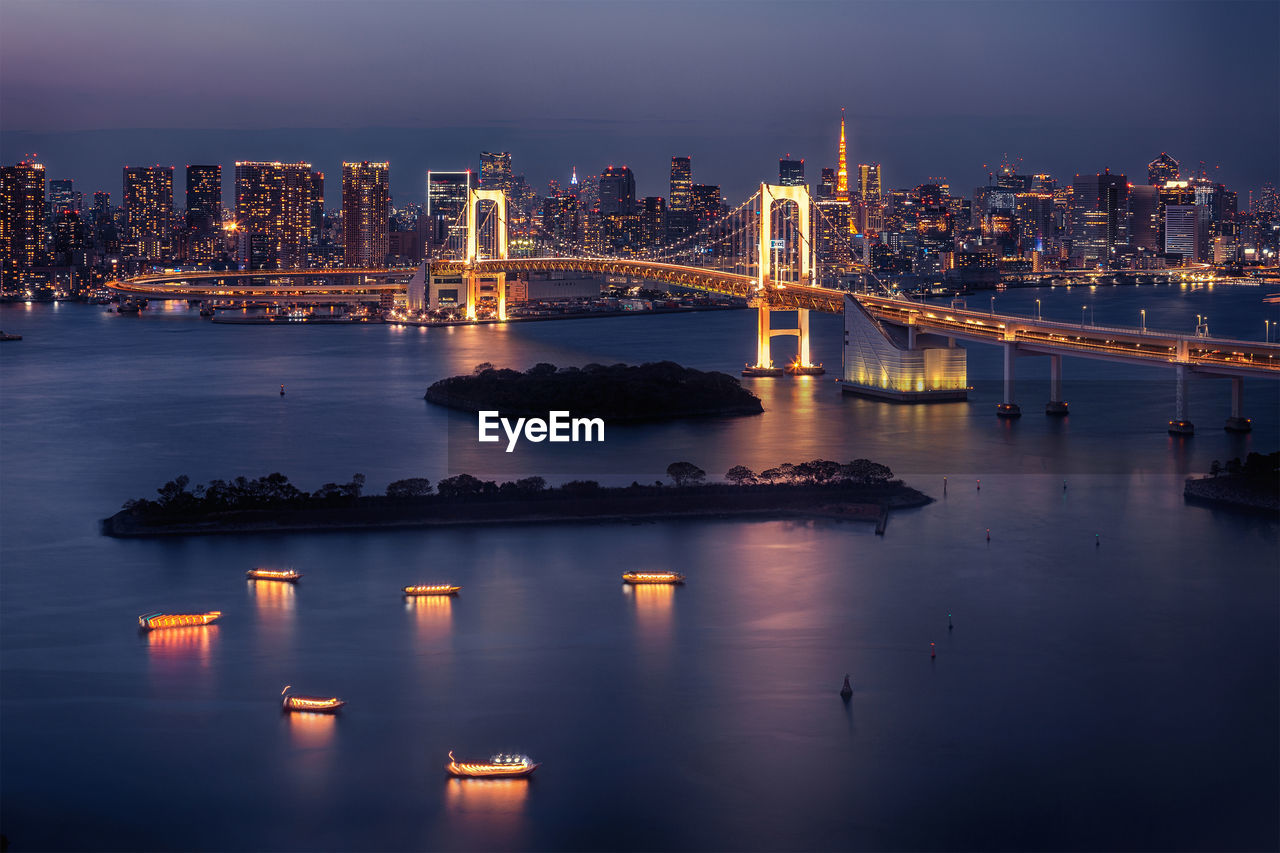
(281,390)
(944,485)
(1097,540)
(979,485)
(988,534)
(1064,485)
(949,625)
(933,651)
(846,691)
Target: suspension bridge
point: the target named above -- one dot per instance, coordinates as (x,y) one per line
(763,251)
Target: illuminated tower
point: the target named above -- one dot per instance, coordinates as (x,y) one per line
(366,213)
(21,221)
(148,209)
(204,212)
(842,166)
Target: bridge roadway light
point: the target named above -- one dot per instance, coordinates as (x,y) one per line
(1038,317)
(1082,307)
(1144,321)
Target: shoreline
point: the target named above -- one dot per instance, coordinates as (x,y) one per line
(1230,492)
(863,503)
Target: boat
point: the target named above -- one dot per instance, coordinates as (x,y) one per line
(432,589)
(156,621)
(652,577)
(286,575)
(501,766)
(311,704)
(129,306)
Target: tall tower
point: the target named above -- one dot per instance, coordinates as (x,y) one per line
(21,221)
(842,166)
(148,207)
(273,208)
(204,212)
(366,212)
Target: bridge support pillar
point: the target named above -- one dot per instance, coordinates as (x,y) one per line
(1056,405)
(1238,422)
(1008,408)
(764,358)
(1180,425)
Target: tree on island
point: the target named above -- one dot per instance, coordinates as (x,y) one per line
(685,474)
(413,487)
(459,486)
(740,475)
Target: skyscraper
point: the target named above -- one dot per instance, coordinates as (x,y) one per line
(21,221)
(366,213)
(447,194)
(273,209)
(495,170)
(617,191)
(1144,217)
(1100,213)
(204,212)
(680,213)
(790,172)
(872,204)
(148,210)
(827,185)
(653,221)
(1162,170)
(706,204)
(62,196)
(1182,231)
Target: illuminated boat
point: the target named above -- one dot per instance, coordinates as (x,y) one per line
(653,577)
(501,766)
(156,621)
(286,575)
(432,589)
(313,704)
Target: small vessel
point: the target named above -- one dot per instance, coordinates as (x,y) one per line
(847,690)
(285,575)
(156,621)
(312,704)
(500,766)
(432,589)
(129,306)
(652,577)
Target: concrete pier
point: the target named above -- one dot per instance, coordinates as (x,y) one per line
(1180,425)
(1056,405)
(1008,408)
(1238,422)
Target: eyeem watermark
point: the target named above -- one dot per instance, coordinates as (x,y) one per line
(558,427)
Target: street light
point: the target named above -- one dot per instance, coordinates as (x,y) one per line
(1144,321)
(1038,309)
(1268,330)
(993,305)
(1082,307)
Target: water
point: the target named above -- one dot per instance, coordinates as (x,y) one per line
(1120,696)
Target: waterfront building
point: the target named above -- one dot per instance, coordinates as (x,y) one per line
(148,207)
(1100,213)
(204,213)
(366,213)
(447,194)
(21,222)
(274,213)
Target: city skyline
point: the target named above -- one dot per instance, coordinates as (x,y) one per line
(931,90)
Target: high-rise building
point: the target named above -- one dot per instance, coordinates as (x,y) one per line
(706,204)
(653,221)
(561,219)
(317,206)
(872,204)
(827,185)
(366,213)
(62,196)
(1182,231)
(790,172)
(842,165)
(204,213)
(495,170)
(21,221)
(148,211)
(70,248)
(447,194)
(617,191)
(1162,170)
(1144,217)
(1100,209)
(273,212)
(681,218)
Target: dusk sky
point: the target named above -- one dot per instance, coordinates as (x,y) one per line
(932,89)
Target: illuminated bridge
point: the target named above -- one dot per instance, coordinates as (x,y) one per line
(894,348)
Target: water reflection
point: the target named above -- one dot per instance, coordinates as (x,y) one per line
(174,645)
(311,731)
(494,808)
(433,615)
(654,609)
(275,604)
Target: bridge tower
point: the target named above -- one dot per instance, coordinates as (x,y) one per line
(474,199)
(771,194)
